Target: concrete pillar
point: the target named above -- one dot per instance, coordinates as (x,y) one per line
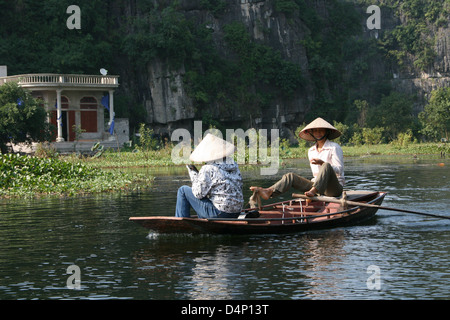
(111,106)
(59,138)
(111,115)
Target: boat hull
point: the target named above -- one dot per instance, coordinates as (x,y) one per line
(282,217)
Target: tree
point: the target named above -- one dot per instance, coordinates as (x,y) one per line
(394,113)
(22,118)
(435,118)
(363,107)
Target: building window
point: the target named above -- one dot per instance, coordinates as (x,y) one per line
(64,102)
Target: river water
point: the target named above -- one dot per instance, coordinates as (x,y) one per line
(396,256)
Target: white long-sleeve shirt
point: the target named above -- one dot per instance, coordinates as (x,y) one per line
(331,153)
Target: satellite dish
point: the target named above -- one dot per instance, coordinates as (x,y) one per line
(103,71)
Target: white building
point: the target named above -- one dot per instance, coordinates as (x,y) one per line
(77,101)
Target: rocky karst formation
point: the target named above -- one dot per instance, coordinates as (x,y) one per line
(162,90)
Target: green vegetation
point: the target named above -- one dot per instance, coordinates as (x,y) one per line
(327,48)
(147,142)
(159,33)
(435,119)
(22,119)
(414,39)
(162,157)
(25,176)
(54,175)
(393,118)
(230,75)
(45,44)
(224,77)
(259,63)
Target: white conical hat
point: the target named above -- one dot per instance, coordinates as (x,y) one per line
(319,123)
(211,148)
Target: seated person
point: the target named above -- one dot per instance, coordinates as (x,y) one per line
(216,190)
(326,161)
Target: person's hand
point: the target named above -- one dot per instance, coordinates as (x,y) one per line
(317,161)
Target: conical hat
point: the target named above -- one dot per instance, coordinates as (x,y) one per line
(211,148)
(319,123)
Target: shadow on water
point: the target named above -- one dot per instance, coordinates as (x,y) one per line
(120,260)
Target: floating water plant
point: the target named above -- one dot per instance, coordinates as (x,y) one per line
(33,176)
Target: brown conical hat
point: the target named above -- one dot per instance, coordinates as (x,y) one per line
(319,123)
(211,148)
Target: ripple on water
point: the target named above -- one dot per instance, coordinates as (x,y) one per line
(120,260)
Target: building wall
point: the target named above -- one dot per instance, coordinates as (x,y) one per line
(3,71)
(122,131)
(74,114)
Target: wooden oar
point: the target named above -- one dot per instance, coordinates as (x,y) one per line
(344,202)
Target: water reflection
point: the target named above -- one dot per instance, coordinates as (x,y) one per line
(256,267)
(212,276)
(325,252)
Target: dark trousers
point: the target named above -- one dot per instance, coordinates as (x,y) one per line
(326,183)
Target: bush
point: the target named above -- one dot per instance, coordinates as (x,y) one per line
(394,114)
(372,135)
(147,141)
(344,129)
(45,150)
(357,139)
(404,139)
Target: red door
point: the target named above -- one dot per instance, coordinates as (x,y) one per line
(88,114)
(71,122)
(55,128)
(68,121)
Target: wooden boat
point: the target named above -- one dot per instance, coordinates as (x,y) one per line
(295,215)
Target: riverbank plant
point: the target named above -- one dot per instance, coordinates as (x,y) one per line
(32,176)
(26,176)
(162,157)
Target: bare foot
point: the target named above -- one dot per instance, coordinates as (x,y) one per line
(265,193)
(311,193)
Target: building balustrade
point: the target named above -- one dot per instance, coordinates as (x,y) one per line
(58,80)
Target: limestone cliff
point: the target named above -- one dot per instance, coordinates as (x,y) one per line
(161,88)
(421,83)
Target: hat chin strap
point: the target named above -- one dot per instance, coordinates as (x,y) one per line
(323,137)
